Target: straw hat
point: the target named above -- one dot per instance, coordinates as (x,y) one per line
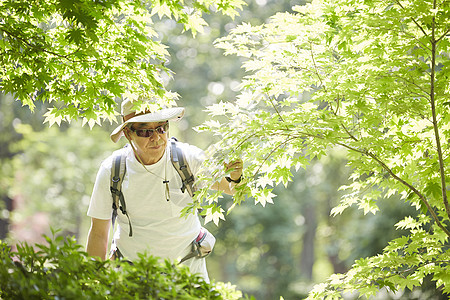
(130,116)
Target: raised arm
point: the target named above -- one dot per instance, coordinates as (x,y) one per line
(234,177)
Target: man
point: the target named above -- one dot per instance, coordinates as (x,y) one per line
(151,188)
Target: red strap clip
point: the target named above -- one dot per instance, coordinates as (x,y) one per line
(201,236)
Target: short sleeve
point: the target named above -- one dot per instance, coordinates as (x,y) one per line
(195,157)
(100,206)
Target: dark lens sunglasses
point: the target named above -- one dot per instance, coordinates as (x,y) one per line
(149,132)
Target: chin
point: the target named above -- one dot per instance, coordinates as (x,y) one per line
(156,151)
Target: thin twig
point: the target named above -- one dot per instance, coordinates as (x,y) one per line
(315,67)
(414,20)
(289,138)
(276,109)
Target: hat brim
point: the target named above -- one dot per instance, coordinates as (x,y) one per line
(166,114)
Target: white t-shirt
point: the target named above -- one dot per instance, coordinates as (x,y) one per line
(158,228)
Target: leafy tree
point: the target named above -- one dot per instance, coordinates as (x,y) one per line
(83,55)
(371,77)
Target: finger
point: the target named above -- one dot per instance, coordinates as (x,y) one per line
(236,163)
(234,167)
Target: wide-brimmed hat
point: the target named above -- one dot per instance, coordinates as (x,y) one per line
(129,115)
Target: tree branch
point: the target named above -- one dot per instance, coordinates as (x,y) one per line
(386,168)
(412,188)
(443,36)
(45,48)
(315,67)
(289,138)
(422,198)
(434,114)
(276,109)
(414,20)
(407,81)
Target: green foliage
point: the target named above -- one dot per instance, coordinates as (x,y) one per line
(367,76)
(202,74)
(61,270)
(83,55)
(404,264)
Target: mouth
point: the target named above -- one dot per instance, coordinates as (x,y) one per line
(155,147)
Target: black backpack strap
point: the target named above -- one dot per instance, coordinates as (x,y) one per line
(117,174)
(180,164)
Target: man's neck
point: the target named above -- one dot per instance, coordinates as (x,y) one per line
(147,159)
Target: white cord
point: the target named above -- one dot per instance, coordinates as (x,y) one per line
(165,181)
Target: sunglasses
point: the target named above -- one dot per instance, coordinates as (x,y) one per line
(149,132)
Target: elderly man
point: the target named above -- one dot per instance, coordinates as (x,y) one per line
(151,189)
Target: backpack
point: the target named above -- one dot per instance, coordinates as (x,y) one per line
(118,173)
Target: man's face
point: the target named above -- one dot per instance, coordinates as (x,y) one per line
(150,140)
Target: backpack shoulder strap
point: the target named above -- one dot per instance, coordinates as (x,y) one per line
(118,171)
(180,164)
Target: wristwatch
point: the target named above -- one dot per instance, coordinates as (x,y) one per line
(228,178)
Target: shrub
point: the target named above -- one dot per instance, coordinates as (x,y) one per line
(62,270)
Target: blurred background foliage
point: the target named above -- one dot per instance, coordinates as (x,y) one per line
(47,175)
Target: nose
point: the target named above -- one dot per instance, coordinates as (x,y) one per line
(154,137)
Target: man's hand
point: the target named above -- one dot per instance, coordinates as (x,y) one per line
(236,169)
